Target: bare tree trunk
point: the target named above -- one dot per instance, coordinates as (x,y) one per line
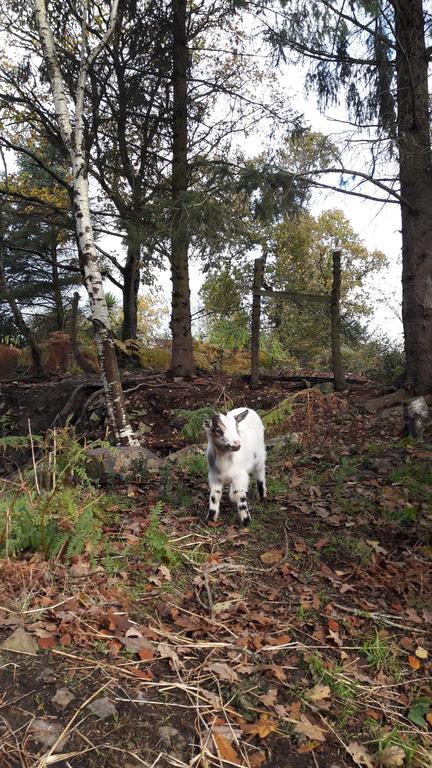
(39,368)
(416,188)
(338,371)
(75,347)
(182,363)
(59,309)
(131,283)
(258,280)
(116,407)
(73,139)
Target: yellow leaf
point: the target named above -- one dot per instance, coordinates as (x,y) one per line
(421,652)
(429,718)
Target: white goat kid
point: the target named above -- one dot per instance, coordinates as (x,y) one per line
(235,451)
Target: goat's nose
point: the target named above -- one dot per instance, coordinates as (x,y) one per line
(236,446)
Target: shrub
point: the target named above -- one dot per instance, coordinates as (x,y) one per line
(8,361)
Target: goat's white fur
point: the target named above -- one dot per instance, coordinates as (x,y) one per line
(235,450)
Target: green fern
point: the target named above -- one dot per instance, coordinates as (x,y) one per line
(278,415)
(156,541)
(18,442)
(193,426)
(49,524)
(87,531)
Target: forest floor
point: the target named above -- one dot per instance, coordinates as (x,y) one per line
(301,642)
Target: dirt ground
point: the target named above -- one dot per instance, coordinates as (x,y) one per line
(301,642)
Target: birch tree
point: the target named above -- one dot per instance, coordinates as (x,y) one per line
(70,120)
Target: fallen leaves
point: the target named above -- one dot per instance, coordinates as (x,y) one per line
(318,692)
(414,662)
(359,754)
(223,671)
(308,729)
(271,557)
(225,750)
(261,727)
(392,757)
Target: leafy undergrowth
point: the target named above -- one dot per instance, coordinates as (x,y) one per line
(303,641)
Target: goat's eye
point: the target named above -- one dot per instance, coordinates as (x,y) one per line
(219,431)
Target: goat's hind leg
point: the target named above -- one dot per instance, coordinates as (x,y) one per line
(238,496)
(261,482)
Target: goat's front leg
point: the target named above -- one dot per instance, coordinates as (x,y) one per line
(215,499)
(238,492)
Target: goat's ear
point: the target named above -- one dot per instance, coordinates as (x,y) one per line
(207,425)
(241,416)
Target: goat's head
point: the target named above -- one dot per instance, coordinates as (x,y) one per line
(224,431)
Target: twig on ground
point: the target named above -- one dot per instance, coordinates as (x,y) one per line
(382,617)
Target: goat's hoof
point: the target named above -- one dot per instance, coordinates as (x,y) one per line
(211,516)
(246,522)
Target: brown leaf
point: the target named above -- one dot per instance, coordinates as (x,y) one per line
(166,652)
(270,698)
(318,693)
(414,662)
(321,543)
(146,654)
(277,672)
(307,746)
(65,639)
(262,727)
(295,481)
(335,637)
(392,757)
(136,672)
(223,671)
(429,718)
(256,759)
(406,643)
(272,556)
(311,731)
(225,750)
(281,640)
(48,641)
(359,754)
(413,616)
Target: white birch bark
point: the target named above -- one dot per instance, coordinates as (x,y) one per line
(72,133)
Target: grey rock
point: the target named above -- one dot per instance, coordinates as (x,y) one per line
(185,453)
(282,441)
(173,741)
(46,732)
(47,676)
(122,460)
(326,387)
(20,641)
(103,708)
(63,698)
